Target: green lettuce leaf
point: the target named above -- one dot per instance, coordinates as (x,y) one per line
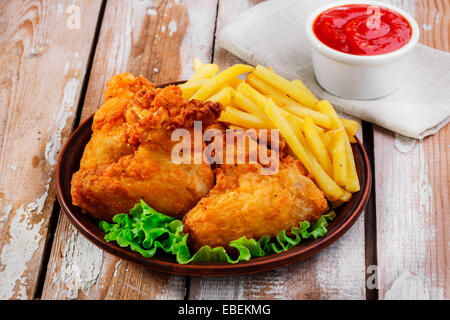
(144,230)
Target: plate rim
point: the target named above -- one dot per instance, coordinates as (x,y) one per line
(254,265)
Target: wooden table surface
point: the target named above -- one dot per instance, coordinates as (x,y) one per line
(53,70)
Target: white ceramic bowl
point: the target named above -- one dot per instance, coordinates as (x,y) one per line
(359,77)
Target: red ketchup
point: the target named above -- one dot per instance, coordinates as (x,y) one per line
(363,30)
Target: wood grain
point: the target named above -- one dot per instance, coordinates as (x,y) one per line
(159,40)
(337,272)
(433,17)
(43,64)
(412,189)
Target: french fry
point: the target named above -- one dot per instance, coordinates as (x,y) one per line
(352,175)
(297,109)
(265,88)
(253,95)
(319,118)
(224,96)
(275,115)
(351,126)
(291,117)
(197,64)
(260,100)
(339,156)
(275,99)
(316,145)
(243,119)
(305,89)
(295,122)
(321,133)
(205,71)
(327,139)
(346,196)
(330,188)
(246,104)
(269,90)
(352,139)
(219,80)
(189,88)
(287,103)
(235,82)
(285,86)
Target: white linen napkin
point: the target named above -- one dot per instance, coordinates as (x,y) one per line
(272,34)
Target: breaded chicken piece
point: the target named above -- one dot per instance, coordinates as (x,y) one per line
(146,174)
(129,155)
(108,142)
(246,203)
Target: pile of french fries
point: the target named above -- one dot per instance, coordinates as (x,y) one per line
(315,133)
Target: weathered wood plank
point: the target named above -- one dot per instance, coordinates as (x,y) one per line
(433,17)
(43,57)
(336,272)
(159,40)
(412,188)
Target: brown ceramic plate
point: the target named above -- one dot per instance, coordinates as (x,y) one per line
(347,215)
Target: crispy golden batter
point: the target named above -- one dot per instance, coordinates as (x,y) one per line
(129,155)
(146,174)
(165,108)
(246,203)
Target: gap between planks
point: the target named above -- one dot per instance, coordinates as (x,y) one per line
(54,217)
(370,215)
(35,43)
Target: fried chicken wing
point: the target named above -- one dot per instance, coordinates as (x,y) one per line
(129,155)
(108,142)
(246,203)
(146,174)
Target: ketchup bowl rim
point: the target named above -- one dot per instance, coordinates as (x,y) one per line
(361,59)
